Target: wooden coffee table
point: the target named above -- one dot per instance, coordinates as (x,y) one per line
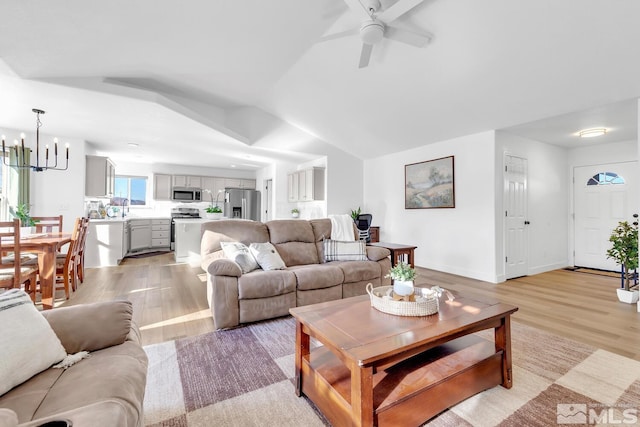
(379,369)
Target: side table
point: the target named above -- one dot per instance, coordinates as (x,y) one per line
(398,252)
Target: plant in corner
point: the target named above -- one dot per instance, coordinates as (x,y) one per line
(624,251)
(355,213)
(22,213)
(403,276)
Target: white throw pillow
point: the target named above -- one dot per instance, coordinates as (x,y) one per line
(29,344)
(267,256)
(239,252)
(336,250)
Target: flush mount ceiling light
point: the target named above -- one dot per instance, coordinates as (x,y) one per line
(133,145)
(590,133)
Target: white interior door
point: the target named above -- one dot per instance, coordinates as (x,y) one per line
(603,196)
(516,232)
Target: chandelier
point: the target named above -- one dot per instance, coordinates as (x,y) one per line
(19,160)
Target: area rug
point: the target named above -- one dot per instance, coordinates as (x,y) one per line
(244,377)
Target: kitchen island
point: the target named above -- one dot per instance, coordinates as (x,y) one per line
(188,236)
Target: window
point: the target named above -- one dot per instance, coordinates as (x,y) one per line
(130,190)
(605,178)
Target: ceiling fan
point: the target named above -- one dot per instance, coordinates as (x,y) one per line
(376,26)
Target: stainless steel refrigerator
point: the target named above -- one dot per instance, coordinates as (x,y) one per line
(243,204)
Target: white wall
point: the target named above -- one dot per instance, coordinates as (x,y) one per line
(460,240)
(548,202)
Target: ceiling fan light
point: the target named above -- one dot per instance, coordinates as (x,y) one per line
(590,133)
(371,32)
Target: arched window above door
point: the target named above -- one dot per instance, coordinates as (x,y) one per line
(605,178)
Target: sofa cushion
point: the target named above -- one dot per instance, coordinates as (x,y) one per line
(262,284)
(294,240)
(267,256)
(317,276)
(356,271)
(240,254)
(233,230)
(336,250)
(29,343)
(110,325)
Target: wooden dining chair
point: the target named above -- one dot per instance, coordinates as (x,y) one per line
(81,247)
(13,273)
(48,224)
(66,264)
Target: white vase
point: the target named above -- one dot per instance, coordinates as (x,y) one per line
(402,287)
(630,297)
(25,231)
(295,214)
(213,215)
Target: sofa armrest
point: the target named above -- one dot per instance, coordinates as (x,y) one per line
(91,327)
(375,253)
(224,267)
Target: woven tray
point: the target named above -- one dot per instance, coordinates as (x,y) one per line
(429,303)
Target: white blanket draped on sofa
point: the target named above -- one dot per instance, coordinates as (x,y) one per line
(342,228)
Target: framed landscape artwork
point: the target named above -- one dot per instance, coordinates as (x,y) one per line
(429,184)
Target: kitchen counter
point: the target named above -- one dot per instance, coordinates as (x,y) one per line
(126,218)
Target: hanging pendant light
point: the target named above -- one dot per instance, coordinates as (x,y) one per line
(20,161)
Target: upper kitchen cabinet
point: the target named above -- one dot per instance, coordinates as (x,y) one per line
(162,187)
(187,181)
(306,185)
(100,180)
(249,184)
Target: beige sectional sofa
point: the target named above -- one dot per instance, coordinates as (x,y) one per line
(236,298)
(105,389)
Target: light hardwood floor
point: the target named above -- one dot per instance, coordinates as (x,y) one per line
(170,302)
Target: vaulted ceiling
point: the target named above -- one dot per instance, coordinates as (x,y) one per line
(215,83)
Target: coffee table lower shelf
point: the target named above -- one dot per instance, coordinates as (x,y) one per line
(410,392)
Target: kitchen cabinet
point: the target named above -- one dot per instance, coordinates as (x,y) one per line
(160,233)
(162,187)
(305,185)
(100,177)
(125,239)
(248,184)
(105,243)
(139,234)
(293,180)
(187,244)
(311,184)
(187,181)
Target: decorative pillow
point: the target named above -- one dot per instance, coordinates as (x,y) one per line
(29,344)
(240,253)
(267,256)
(336,250)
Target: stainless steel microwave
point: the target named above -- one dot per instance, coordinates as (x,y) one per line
(186,194)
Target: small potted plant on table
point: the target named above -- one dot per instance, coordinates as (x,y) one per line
(213,211)
(624,251)
(26,222)
(295,213)
(403,276)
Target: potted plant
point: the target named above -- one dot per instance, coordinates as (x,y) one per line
(355,213)
(624,251)
(295,213)
(212,211)
(403,276)
(26,222)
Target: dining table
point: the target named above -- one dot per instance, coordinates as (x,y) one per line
(46,246)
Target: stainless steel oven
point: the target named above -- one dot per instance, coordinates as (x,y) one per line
(182,213)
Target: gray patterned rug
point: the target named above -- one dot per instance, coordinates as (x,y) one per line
(243,377)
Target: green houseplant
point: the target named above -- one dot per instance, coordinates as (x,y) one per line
(624,251)
(403,276)
(295,213)
(355,213)
(213,211)
(22,213)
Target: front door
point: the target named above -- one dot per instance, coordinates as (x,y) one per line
(603,196)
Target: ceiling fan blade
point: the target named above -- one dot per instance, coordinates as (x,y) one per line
(339,35)
(397,10)
(407,37)
(365,55)
(358,9)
